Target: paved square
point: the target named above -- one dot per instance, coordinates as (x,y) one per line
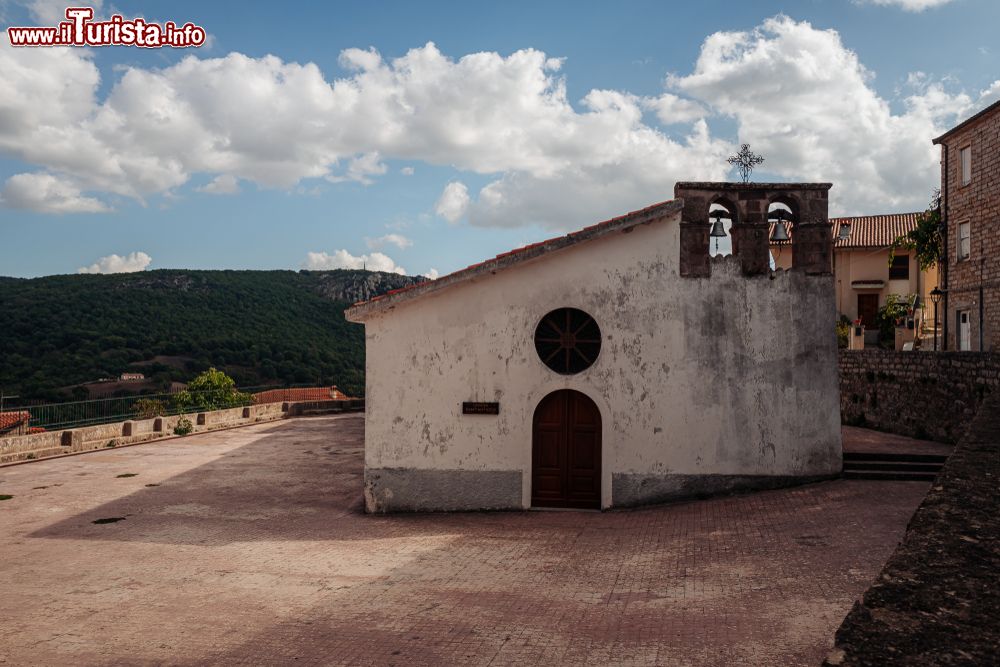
(249,546)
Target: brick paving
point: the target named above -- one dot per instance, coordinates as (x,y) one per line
(249,547)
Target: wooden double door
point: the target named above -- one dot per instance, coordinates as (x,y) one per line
(566,452)
(868,309)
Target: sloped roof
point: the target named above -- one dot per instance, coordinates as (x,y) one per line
(873,231)
(971,119)
(867,231)
(359,311)
(9,420)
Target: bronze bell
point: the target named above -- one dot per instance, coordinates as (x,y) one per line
(780,233)
(718,231)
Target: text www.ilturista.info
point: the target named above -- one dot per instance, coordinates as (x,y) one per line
(80,30)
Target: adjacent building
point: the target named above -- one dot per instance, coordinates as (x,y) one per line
(617,365)
(970,196)
(862,274)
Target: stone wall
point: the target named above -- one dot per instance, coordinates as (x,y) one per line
(918,394)
(937,601)
(88,438)
(977,203)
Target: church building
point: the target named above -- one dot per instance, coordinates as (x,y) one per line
(615,366)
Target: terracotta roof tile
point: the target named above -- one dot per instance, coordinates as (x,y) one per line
(9,420)
(868,231)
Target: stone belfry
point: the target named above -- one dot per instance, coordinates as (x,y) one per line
(747,206)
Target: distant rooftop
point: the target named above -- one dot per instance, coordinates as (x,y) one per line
(868,231)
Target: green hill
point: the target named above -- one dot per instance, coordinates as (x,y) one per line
(261,327)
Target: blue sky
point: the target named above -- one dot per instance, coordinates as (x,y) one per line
(423,137)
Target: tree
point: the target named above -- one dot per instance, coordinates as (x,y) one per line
(925,240)
(211,390)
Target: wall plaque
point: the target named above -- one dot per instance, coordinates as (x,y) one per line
(480,408)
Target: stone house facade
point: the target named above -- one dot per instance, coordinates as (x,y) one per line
(617,365)
(970,193)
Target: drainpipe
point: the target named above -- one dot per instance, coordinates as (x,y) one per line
(944,254)
(982,324)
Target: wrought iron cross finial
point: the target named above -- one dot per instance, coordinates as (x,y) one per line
(745,161)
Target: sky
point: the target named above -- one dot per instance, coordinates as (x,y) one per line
(421,137)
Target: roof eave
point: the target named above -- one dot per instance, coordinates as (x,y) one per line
(360,312)
(971,119)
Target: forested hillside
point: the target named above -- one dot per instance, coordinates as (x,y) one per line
(261,327)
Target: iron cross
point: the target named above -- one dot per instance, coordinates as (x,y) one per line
(745,161)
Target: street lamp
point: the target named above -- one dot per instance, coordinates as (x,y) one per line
(936,295)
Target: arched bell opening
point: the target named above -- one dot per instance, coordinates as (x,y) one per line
(721,215)
(781,219)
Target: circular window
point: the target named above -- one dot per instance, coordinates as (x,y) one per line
(568,340)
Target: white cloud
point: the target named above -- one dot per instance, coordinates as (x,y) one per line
(45,193)
(360,169)
(223,184)
(798,95)
(406,171)
(453,202)
(804,101)
(276,123)
(990,95)
(135,261)
(432,274)
(397,240)
(341,259)
(51,12)
(672,109)
(908,5)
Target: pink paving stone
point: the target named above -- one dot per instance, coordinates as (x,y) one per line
(253,549)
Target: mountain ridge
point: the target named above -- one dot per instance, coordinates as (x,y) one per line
(262,327)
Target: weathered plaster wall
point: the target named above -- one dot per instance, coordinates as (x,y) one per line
(702,383)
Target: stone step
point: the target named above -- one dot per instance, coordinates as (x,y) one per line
(895,457)
(895,476)
(891,466)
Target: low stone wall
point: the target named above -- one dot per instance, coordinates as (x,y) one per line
(937,601)
(305,408)
(930,395)
(87,438)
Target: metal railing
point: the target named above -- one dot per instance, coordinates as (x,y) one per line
(33,417)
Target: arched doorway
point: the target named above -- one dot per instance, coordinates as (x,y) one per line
(566,452)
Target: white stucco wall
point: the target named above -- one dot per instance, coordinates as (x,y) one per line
(725,375)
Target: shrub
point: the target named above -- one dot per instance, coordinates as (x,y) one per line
(843,333)
(183,427)
(211,390)
(147,408)
(896,308)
